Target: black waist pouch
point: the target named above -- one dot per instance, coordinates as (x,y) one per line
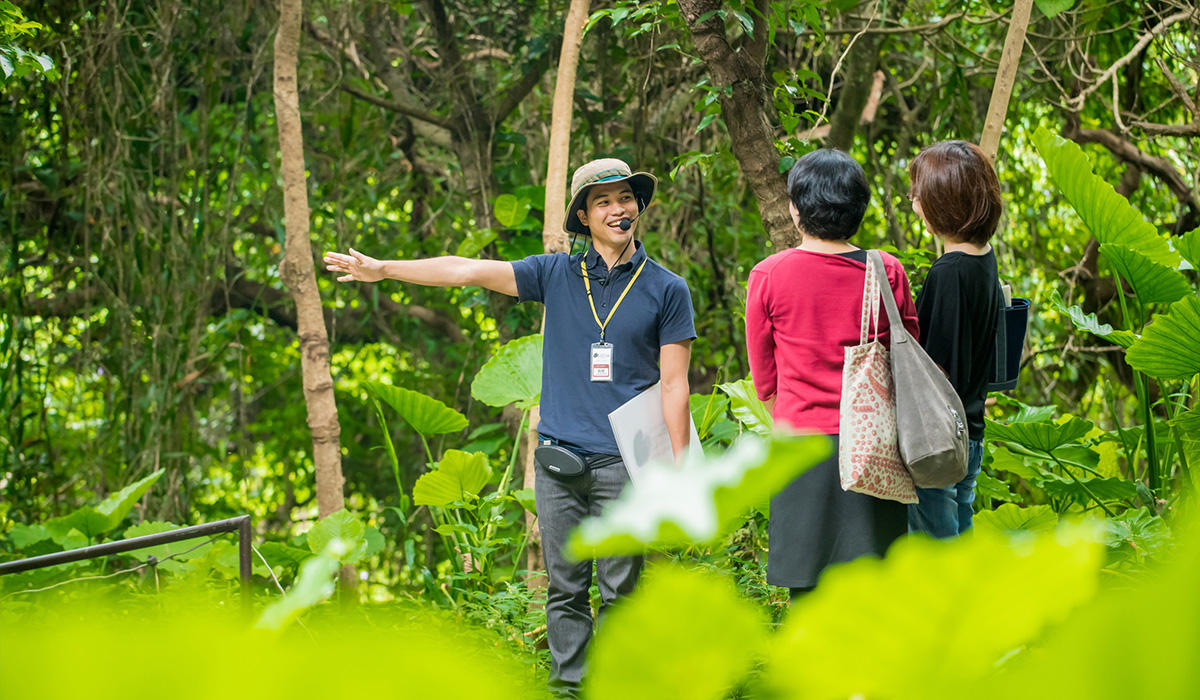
(568,460)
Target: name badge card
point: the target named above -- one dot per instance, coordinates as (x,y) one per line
(602,356)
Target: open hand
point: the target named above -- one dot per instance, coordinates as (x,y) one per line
(357,266)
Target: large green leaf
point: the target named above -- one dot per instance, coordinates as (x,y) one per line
(706,410)
(24,535)
(697,501)
(458,476)
(1044,436)
(426,415)
(1188,246)
(1090,489)
(747,408)
(511,210)
(117,505)
(896,627)
(1107,214)
(1153,283)
(85,520)
(1052,8)
(512,375)
(340,525)
(1011,517)
(1170,345)
(682,634)
(313,585)
(1089,322)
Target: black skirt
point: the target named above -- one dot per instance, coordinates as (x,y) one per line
(814,523)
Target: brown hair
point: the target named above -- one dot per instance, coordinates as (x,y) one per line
(958,191)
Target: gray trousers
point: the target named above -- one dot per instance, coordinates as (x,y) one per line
(562,502)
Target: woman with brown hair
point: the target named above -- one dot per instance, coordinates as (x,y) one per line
(955,191)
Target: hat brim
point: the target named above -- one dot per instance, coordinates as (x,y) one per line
(643,185)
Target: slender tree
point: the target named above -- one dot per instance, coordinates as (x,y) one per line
(298,270)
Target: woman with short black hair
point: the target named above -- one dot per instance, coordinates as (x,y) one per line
(803,308)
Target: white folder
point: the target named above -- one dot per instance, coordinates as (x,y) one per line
(641,432)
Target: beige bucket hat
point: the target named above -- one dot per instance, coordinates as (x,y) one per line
(605,170)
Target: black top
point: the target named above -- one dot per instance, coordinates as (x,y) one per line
(957,311)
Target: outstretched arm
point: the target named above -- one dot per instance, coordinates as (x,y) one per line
(446,271)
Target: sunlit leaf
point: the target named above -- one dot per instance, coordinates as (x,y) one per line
(313,584)
(118,505)
(706,410)
(698,500)
(512,375)
(1089,489)
(1089,322)
(1011,517)
(475,241)
(1053,8)
(24,535)
(85,520)
(1188,246)
(525,498)
(344,526)
(1044,436)
(898,627)
(510,210)
(1107,214)
(426,415)
(1170,345)
(1152,283)
(458,475)
(682,634)
(747,408)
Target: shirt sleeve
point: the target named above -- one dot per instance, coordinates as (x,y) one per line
(938,311)
(676,322)
(760,337)
(531,273)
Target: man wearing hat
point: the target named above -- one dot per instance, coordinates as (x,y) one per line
(617,322)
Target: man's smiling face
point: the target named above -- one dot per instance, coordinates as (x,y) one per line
(606,205)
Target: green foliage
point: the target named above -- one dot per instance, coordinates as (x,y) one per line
(459,476)
(656,645)
(426,415)
(697,501)
(358,539)
(513,374)
(1107,214)
(868,628)
(313,586)
(16,62)
(1153,283)
(1089,322)
(1168,348)
(747,408)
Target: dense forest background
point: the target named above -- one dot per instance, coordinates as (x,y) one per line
(145,324)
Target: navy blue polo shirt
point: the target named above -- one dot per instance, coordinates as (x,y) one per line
(657,311)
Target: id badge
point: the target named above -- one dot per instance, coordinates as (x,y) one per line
(602,362)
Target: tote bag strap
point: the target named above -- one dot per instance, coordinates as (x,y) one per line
(870,307)
(874,259)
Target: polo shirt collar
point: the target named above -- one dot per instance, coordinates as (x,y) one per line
(594,261)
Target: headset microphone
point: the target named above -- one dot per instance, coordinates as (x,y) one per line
(626,224)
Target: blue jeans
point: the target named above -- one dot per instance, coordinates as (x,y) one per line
(947,512)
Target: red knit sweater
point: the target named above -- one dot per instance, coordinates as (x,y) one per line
(802,311)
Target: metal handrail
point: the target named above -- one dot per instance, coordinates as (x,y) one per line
(240,524)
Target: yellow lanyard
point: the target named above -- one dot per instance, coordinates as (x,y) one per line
(587,283)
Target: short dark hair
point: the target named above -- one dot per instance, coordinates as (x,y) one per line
(958,191)
(829,190)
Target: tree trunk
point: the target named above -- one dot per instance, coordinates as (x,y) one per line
(298,273)
(1006,76)
(744,110)
(554,239)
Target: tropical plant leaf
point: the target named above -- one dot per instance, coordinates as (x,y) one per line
(344,526)
(1108,215)
(1053,8)
(988,486)
(713,634)
(24,535)
(280,554)
(1188,246)
(1152,283)
(1089,322)
(1043,436)
(85,520)
(823,647)
(525,498)
(476,240)
(426,415)
(698,501)
(1169,347)
(458,476)
(313,585)
(512,375)
(118,504)
(1011,517)
(510,210)
(706,410)
(747,408)
(1104,489)
(1187,428)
